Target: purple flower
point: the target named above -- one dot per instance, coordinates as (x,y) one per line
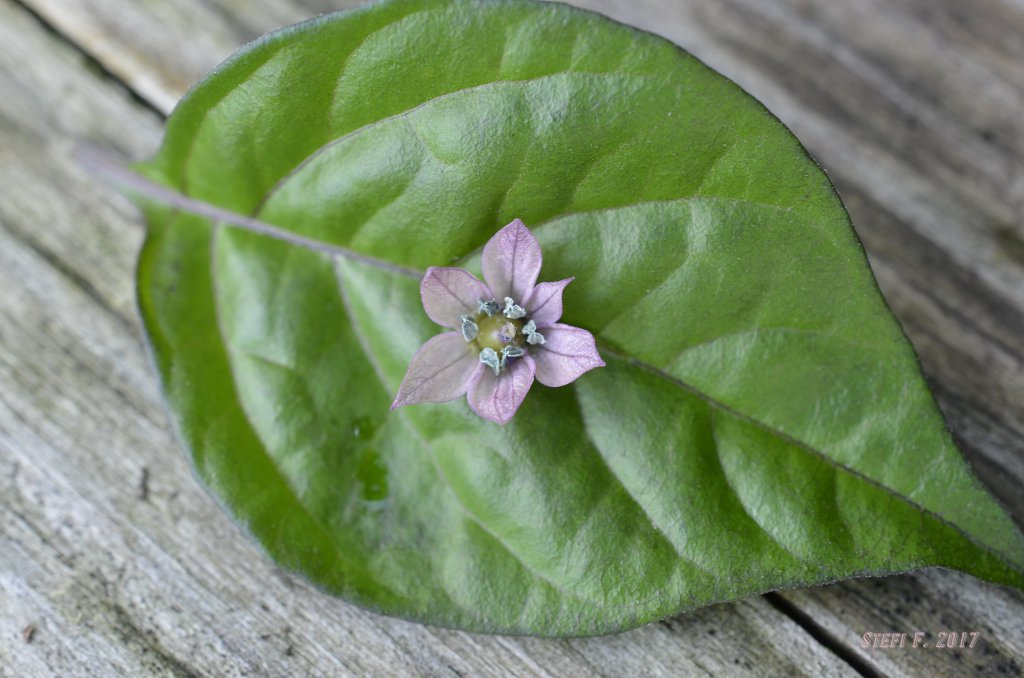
(506,332)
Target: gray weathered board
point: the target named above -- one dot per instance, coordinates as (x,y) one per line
(114,562)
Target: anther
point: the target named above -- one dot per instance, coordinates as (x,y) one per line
(469,328)
(533,337)
(513,310)
(489,357)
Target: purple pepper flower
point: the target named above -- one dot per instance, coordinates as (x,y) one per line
(506,332)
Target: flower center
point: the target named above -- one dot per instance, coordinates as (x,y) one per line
(500,334)
(496,332)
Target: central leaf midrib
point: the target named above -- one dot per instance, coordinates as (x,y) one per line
(716,406)
(218,214)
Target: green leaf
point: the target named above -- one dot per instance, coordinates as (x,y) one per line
(762,421)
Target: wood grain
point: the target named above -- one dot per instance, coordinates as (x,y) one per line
(914,106)
(112,551)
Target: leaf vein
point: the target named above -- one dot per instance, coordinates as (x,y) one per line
(280,183)
(222,336)
(655,523)
(372,360)
(765,426)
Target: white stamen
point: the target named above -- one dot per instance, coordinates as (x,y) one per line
(488,306)
(533,337)
(489,357)
(513,310)
(469,328)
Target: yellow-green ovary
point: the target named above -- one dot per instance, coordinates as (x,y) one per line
(491,329)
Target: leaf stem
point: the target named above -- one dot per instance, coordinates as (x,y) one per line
(102,163)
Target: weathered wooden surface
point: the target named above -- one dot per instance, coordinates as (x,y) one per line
(123,566)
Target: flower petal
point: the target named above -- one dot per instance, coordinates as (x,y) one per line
(498,397)
(545,304)
(440,371)
(566,353)
(450,293)
(511,262)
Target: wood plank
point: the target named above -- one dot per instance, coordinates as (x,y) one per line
(111,549)
(942,313)
(927,152)
(165,47)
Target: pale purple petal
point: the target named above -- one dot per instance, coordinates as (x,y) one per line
(498,397)
(440,371)
(511,262)
(567,353)
(449,293)
(545,304)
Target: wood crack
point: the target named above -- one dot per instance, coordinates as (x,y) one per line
(92,63)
